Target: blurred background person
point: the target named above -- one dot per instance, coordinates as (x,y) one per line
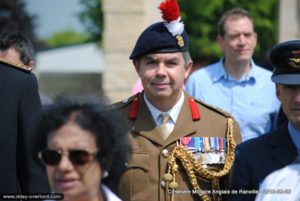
(235,83)
(83,143)
(17,48)
(138,87)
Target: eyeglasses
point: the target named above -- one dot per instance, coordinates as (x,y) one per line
(77,157)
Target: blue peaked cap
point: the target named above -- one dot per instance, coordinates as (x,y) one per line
(285,57)
(157,39)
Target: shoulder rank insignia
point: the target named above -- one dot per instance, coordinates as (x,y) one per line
(194,109)
(132,114)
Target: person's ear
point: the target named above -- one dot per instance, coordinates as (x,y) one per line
(188,69)
(31,63)
(220,41)
(277,91)
(136,64)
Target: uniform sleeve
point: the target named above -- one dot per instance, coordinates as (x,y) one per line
(31,173)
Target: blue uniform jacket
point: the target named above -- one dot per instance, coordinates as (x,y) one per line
(20,170)
(258,157)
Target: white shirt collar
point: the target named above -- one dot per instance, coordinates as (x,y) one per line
(110,196)
(173,112)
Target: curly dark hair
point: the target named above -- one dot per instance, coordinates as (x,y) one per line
(106,125)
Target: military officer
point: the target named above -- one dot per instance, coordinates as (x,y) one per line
(182,148)
(20,170)
(259,157)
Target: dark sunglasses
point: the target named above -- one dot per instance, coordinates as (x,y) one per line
(77,157)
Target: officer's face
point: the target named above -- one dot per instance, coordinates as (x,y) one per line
(67,177)
(163,76)
(289,95)
(239,40)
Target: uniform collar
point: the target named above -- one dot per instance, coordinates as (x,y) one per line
(109,195)
(173,112)
(282,146)
(145,125)
(295,135)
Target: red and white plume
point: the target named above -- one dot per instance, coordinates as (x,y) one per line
(171,14)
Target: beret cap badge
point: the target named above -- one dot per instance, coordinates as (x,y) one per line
(166,36)
(171,14)
(180,40)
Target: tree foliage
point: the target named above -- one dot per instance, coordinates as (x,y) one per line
(201,17)
(92,18)
(13,17)
(67,37)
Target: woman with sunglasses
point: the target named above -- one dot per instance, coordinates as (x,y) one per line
(82,144)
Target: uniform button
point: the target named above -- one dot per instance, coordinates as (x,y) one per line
(163,183)
(165,153)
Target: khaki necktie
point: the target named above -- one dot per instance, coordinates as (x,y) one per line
(163,127)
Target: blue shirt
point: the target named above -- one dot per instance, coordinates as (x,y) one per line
(251,100)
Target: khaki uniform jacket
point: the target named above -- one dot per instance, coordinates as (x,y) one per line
(143,177)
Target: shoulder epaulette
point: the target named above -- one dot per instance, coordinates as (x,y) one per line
(17,66)
(123,103)
(216,109)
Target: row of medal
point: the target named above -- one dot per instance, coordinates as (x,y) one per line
(208,150)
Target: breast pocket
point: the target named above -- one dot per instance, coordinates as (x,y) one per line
(135,179)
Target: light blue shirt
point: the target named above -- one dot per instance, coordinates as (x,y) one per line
(251,100)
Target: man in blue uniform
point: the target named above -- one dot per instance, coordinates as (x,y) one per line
(18,48)
(257,158)
(20,170)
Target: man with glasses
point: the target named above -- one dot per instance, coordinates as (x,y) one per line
(235,83)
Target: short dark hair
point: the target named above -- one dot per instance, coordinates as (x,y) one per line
(20,43)
(235,13)
(106,125)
